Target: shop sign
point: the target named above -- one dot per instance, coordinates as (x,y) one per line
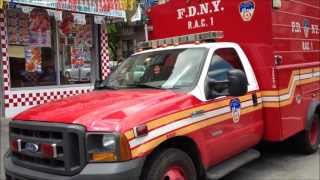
(56,14)
(97,7)
(138,15)
(99,19)
(79,19)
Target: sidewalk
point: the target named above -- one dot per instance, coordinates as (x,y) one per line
(4,143)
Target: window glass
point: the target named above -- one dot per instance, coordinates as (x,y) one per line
(47,50)
(160,69)
(31,52)
(75,38)
(222,61)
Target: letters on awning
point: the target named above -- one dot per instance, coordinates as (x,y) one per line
(112,8)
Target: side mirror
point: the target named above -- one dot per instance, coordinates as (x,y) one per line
(235,85)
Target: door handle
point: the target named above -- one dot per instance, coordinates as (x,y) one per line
(254,99)
(197,113)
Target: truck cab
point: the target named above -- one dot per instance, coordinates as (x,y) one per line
(197,93)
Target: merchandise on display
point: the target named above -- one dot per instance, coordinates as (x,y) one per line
(33,59)
(29,29)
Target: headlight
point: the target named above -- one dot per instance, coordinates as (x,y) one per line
(107,147)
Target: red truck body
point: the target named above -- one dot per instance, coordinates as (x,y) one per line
(283,47)
(291,33)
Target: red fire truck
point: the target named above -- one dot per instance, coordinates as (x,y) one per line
(217,78)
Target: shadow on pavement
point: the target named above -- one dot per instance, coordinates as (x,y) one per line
(279,161)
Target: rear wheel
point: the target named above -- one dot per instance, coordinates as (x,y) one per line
(170,164)
(308,140)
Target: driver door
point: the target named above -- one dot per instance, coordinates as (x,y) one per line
(238,124)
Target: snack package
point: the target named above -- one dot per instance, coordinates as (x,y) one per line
(33,59)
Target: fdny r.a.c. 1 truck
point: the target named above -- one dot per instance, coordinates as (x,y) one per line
(219,77)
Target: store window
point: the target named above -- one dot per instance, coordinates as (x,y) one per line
(48,47)
(75,42)
(31,52)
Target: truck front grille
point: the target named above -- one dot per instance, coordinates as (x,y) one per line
(68,140)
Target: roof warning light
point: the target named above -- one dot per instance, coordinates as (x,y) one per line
(190,38)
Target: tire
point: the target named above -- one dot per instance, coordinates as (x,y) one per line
(308,141)
(170,164)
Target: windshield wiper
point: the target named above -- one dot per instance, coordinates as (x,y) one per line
(144,86)
(104,86)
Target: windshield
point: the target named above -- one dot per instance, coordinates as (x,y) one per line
(167,69)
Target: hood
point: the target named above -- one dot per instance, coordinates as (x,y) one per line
(110,110)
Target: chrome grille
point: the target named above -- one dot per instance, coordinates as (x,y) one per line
(68,141)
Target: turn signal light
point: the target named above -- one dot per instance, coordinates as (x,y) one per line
(103,156)
(125,152)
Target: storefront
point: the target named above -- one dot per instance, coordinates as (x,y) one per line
(53,49)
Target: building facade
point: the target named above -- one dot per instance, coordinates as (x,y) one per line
(52,51)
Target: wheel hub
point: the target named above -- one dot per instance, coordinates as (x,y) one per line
(174,173)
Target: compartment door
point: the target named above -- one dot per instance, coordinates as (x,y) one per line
(290,102)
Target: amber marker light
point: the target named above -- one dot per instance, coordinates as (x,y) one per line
(103,156)
(125,152)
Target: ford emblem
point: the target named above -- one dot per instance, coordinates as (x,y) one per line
(31,147)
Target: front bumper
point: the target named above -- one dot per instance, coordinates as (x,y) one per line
(94,171)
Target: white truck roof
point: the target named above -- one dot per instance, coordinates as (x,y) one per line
(193,45)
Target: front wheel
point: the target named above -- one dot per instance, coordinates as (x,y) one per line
(170,164)
(308,140)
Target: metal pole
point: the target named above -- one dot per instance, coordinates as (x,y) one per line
(95,54)
(59,67)
(1,88)
(146,32)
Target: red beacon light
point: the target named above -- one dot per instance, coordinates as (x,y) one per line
(141,130)
(191,38)
(49,150)
(15,145)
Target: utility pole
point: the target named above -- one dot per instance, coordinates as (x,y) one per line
(1,88)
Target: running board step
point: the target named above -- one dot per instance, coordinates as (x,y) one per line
(232,164)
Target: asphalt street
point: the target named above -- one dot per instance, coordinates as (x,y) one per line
(278,162)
